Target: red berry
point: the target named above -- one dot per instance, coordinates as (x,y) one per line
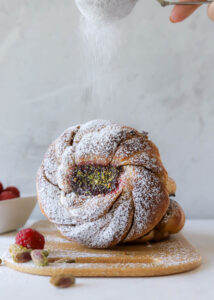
(1,187)
(14,190)
(30,239)
(7,195)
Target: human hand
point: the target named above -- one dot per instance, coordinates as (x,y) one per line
(180,13)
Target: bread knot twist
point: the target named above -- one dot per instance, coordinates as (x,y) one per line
(102,184)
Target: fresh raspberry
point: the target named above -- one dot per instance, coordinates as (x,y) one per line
(1,187)
(7,195)
(30,239)
(14,190)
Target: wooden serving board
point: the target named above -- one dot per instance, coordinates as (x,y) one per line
(174,255)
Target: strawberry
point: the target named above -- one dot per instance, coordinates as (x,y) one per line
(30,239)
(13,190)
(5,195)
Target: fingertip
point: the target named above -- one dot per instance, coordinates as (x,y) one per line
(210,11)
(172,20)
(173,17)
(176,16)
(180,13)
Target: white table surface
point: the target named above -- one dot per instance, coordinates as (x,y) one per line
(197,284)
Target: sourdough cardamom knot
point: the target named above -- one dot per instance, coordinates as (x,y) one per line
(103,184)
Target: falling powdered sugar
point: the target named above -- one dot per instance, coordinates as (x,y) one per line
(101,42)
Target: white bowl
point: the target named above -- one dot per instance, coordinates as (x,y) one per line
(15,212)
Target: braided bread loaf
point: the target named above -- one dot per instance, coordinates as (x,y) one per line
(102,184)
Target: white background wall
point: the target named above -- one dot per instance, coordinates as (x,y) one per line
(160,78)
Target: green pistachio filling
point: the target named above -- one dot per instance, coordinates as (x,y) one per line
(94,180)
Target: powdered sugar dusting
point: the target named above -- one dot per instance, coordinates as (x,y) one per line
(104,220)
(174,210)
(49,196)
(91,208)
(51,164)
(170,256)
(105,231)
(140,152)
(99,140)
(150,201)
(65,140)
